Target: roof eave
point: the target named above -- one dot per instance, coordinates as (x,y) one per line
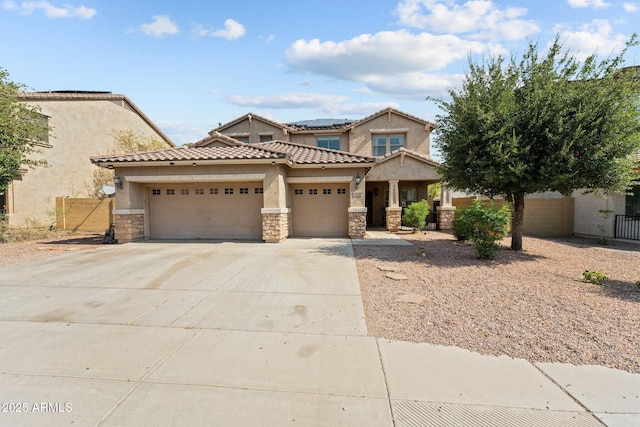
(191,163)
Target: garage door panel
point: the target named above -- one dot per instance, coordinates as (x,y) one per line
(320,210)
(204,211)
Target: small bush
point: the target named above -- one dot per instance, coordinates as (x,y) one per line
(484,224)
(595,277)
(415,215)
(460,226)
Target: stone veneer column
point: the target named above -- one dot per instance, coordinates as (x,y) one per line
(394,211)
(357,223)
(445,211)
(445,216)
(276,224)
(394,218)
(129,224)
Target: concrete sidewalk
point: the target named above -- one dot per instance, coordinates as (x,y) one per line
(215,333)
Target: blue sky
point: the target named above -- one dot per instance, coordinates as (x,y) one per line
(192,64)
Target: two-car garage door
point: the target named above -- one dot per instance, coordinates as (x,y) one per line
(206,211)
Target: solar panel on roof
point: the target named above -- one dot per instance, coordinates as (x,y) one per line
(316,123)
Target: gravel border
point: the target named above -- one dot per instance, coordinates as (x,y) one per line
(17,253)
(532,304)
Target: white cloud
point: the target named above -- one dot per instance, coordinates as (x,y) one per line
(199,30)
(268,39)
(361,109)
(182,133)
(630,7)
(51,11)
(594,37)
(162,25)
(232,30)
(480,19)
(383,54)
(596,4)
(290,100)
(416,85)
(325,104)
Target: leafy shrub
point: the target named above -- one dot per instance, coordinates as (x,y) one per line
(484,224)
(595,277)
(415,215)
(460,226)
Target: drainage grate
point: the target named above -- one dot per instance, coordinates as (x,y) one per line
(426,414)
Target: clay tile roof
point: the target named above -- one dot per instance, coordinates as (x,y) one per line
(387,111)
(320,124)
(306,154)
(301,154)
(411,153)
(217,136)
(243,152)
(252,116)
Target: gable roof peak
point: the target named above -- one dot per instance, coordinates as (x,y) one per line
(390,110)
(250,117)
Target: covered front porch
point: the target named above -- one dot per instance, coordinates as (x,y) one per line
(396,181)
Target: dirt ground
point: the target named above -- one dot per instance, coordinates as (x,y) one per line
(58,243)
(532,304)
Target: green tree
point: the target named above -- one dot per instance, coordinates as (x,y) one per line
(22,130)
(125,142)
(542,123)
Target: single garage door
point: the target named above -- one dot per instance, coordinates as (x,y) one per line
(320,210)
(206,211)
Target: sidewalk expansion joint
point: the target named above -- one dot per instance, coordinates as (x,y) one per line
(386,383)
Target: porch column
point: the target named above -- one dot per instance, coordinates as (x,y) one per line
(446,210)
(394,211)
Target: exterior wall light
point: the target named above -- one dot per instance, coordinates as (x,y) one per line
(117,181)
(358,179)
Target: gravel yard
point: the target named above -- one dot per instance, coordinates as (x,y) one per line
(36,250)
(533,304)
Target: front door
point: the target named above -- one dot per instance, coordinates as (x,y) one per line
(368,202)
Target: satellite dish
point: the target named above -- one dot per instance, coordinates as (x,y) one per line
(108,190)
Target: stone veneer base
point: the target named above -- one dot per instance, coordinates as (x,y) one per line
(445,216)
(276,227)
(394,219)
(129,227)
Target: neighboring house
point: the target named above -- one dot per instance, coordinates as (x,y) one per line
(616,216)
(82,124)
(552,215)
(254,178)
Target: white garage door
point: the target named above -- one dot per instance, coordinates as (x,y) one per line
(206,211)
(320,210)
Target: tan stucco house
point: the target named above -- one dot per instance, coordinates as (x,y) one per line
(613,216)
(82,124)
(257,179)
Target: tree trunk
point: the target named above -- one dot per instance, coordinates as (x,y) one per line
(516,222)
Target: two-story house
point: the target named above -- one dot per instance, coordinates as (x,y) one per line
(82,123)
(254,178)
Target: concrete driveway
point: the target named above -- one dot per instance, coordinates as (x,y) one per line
(160,333)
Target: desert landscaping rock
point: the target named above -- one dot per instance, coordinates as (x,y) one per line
(411,298)
(532,304)
(396,276)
